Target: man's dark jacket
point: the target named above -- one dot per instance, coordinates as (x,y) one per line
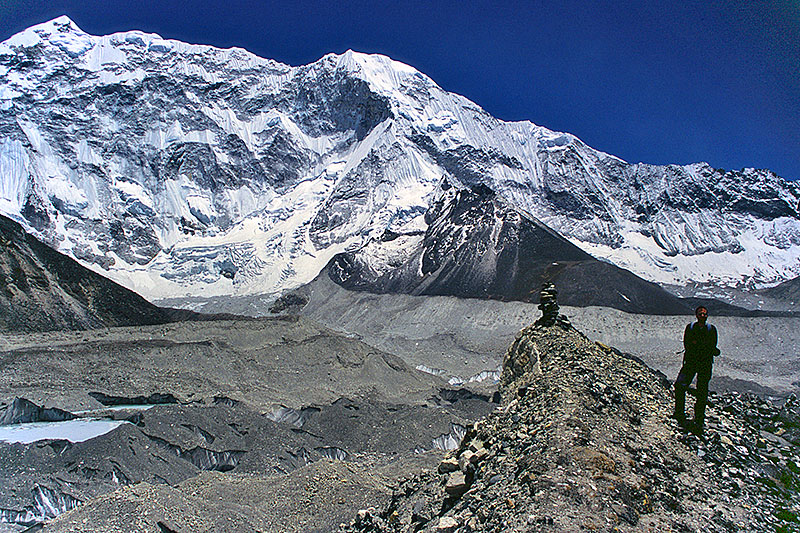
(700,343)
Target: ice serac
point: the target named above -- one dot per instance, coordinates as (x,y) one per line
(183,170)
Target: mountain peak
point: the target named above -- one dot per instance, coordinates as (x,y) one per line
(61,31)
(60,24)
(383,72)
(224,172)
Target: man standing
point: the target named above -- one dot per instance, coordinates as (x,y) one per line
(700,347)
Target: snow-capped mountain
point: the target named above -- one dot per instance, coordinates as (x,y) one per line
(183,170)
(477,246)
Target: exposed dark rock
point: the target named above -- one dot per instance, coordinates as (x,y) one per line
(224,400)
(22,411)
(467,163)
(476,246)
(41,481)
(153,399)
(289,302)
(175,442)
(42,290)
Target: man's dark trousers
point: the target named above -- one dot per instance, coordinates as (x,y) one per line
(688,371)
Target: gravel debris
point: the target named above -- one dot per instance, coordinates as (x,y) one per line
(583,442)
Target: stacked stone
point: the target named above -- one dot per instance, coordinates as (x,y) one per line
(548,305)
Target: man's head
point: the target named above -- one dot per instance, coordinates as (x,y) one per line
(702,314)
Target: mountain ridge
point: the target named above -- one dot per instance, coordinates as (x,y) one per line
(477,247)
(43,290)
(182,169)
(582,440)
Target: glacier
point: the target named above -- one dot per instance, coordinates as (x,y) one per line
(181,170)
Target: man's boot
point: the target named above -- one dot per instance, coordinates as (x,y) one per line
(680,418)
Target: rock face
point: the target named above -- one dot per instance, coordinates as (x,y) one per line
(476,246)
(22,411)
(225,173)
(583,441)
(42,290)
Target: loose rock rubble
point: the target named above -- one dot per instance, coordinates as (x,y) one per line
(753,446)
(583,442)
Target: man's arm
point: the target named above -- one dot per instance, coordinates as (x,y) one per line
(687,340)
(713,341)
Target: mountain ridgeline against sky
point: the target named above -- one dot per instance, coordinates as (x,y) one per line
(183,171)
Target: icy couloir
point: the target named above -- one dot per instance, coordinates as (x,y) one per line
(184,170)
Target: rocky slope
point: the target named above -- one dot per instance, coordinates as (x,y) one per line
(42,290)
(265,402)
(476,246)
(788,292)
(281,424)
(583,441)
(184,170)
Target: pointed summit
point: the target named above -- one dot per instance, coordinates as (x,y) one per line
(60,24)
(60,31)
(383,72)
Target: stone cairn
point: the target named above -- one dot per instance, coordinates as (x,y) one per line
(548,305)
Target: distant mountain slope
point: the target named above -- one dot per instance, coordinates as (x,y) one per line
(477,246)
(42,290)
(788,291)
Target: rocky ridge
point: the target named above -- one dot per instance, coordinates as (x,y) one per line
(583,441)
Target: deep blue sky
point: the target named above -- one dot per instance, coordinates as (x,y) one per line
(658,82)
